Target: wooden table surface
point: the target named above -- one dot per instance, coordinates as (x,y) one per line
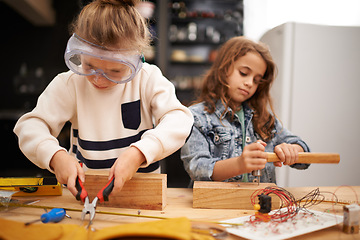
(179,204)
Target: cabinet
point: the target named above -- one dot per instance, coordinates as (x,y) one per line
(195,31)
(188,34)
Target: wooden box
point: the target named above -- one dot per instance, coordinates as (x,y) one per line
(143,191)
(228,195)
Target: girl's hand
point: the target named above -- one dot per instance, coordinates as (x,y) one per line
(253,157)
(287,153)
(125,167)
(67,169)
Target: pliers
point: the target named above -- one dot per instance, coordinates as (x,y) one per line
(90,208)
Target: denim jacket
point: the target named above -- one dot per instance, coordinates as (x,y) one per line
(213,140)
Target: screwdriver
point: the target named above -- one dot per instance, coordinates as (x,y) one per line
(55,215)
(257,174)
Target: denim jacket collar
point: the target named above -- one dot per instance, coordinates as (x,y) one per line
(220,108)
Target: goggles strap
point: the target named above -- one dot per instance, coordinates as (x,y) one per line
(142,57)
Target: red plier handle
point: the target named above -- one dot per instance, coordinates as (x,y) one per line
(82,193)
(104,193)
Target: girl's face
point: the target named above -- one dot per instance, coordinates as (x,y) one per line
(98,80)
(248,72)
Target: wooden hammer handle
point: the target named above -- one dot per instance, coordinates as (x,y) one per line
(308,157)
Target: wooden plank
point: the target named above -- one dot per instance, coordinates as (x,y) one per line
(143,191)
(309,157)
(227,195)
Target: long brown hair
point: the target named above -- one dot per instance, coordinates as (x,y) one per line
(215,86)
(112,23)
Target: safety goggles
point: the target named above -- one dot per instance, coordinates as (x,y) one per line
(86,58)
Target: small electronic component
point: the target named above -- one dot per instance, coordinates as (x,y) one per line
(264,207)
(351,218)
(265,203)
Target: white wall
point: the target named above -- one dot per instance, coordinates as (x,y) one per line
(262,15)
(316,97)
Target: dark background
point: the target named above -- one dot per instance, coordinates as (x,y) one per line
(23,44)
(33,55)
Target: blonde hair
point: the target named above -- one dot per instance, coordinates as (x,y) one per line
(113,24)
(215,86)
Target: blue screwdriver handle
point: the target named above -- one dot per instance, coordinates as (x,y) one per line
(55,215)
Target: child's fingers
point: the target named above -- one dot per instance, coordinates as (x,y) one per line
(261,142)
(280,153)
(72,178)
(255,160)
(111,172)
(258,163)
(278,164)
(257,154)
(71,184)
(286,153)
(118,184)
(255,146)
(80,173)
(293,156)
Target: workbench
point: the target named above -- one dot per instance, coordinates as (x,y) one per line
(179,204)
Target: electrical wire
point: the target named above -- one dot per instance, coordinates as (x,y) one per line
(293,210)
(289,205)
(287,201)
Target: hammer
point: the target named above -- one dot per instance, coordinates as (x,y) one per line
(304,157)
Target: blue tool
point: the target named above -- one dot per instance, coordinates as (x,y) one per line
(55,215)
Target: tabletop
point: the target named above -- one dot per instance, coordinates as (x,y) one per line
(179,204)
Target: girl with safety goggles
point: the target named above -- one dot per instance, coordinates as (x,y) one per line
(88,59)
(124,113)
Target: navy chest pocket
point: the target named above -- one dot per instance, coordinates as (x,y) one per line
(131,115)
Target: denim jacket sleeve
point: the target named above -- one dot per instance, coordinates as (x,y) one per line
(211,140)
(195,154)
(197,160)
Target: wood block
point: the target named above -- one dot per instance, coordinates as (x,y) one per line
(143,191)
(228,195)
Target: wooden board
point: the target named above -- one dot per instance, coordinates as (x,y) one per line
(309,157)
(228,195)
(179,204)
(143,191)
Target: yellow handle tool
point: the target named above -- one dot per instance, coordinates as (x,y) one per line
(308,157)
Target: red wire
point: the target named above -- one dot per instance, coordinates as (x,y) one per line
(287,201)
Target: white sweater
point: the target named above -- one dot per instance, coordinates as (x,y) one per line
(144,113)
